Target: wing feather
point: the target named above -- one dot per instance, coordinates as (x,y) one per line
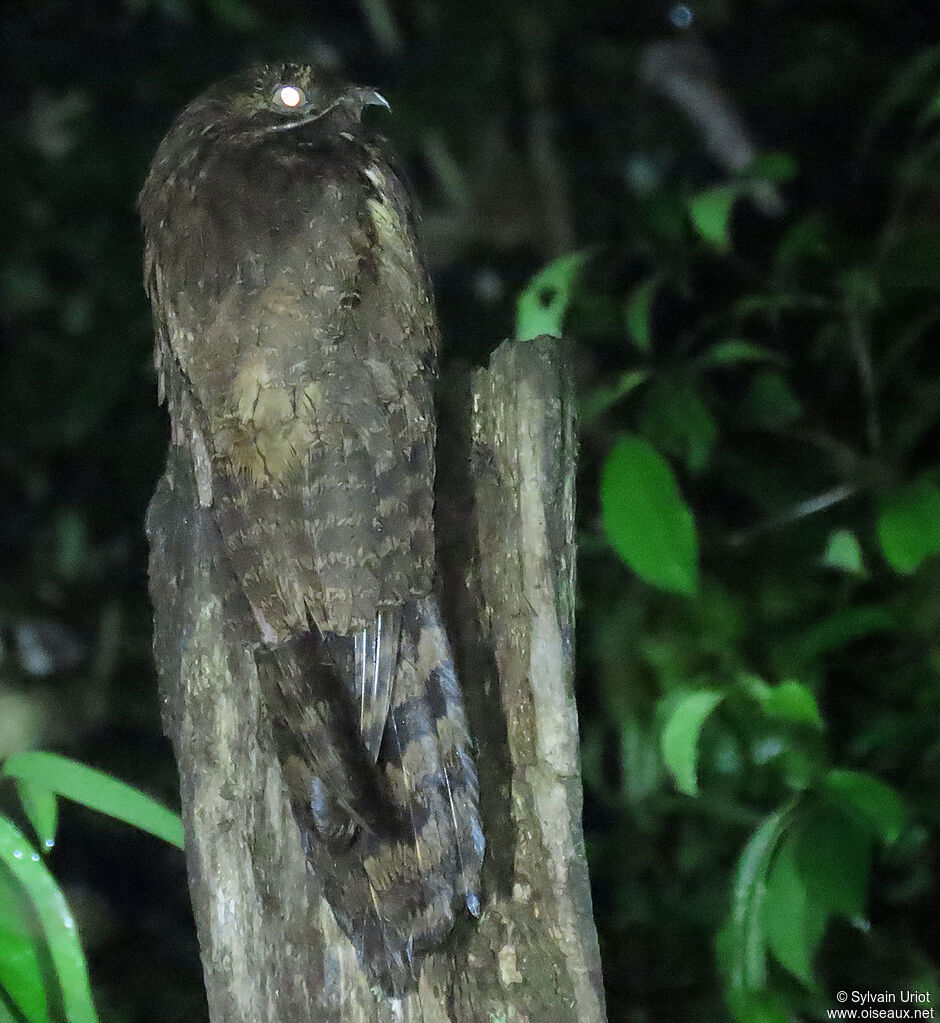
(376,661)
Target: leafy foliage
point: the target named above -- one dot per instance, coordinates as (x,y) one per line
(43,973)
(22,978)
(786,689)
(542,306)
(645,517)
(47,775)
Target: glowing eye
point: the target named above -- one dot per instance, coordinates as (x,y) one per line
(290,96)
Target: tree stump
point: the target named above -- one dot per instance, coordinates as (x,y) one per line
(271,950)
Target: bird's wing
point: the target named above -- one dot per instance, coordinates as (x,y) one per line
(321,415)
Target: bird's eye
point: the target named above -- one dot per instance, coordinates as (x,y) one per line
(290,96)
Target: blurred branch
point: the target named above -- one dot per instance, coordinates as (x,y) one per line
(446,170)
(382,25)
(861,352)
(547,165)
(798,511)
(683,72)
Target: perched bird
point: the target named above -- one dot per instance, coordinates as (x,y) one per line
(296,347)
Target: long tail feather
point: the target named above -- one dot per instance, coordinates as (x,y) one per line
(376,659)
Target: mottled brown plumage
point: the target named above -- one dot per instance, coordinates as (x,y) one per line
(296,347)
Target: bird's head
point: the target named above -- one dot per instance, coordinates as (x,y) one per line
(274,98)
(272,108)
(283,97)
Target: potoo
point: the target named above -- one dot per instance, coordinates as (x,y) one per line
(296,348)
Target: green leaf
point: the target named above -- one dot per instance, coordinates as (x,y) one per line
(914,79)
(809,238)
(58,926)
(681,733)
(638,312)
(646,519)
(96,790)
(912,262)
(603,398)
(834,632)
(746,940)
(844,552)
(868,801)
(774,166)
(757,1006)
(711,214)
(641,768)
(793,922)
(767,305)
(42,808)
(542,306)
(833,855)
(859,285)
(792,701)
(236,15)
(734,351)
(72,544)
(674,415)
(769,402)
(909,525)
(931,110)
(25,967)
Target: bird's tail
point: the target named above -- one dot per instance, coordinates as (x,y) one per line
(421,881)
(400,860)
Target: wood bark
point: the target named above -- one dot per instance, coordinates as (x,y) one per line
(271,951)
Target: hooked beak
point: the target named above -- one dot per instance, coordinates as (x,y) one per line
(372,98)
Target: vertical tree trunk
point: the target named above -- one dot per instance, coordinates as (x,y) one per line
(271,950)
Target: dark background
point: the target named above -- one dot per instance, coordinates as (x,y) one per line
(530,131)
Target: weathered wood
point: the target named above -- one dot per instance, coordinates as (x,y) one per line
(271,950)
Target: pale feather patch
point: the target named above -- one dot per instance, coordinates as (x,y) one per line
(265,437)
(387,225)
(312,395)
(281,445)
(375,176)
(280,298)
(273,409)
(248,382)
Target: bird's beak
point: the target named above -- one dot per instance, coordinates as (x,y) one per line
(372,98)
